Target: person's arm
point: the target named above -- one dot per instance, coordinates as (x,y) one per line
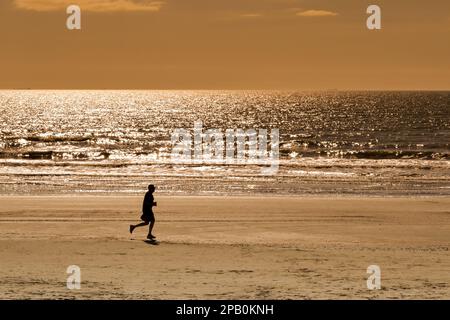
(147,202)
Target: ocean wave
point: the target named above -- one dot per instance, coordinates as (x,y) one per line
(61,138)
(55,155)
(163,154)
(396,154)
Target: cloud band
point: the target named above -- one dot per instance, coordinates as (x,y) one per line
(90,5)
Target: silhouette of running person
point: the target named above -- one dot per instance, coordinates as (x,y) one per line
(147,213)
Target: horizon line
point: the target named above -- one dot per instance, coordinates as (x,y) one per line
(223,89)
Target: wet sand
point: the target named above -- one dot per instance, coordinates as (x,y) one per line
(225,248)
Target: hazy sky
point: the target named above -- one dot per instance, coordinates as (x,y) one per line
(229,44)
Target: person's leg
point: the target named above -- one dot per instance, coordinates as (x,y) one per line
(142,224)
(132,227)
(150,228)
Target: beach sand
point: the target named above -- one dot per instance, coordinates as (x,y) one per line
(225,248)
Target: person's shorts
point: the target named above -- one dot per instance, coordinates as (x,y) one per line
(148,217)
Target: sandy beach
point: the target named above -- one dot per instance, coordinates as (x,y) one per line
(225,248)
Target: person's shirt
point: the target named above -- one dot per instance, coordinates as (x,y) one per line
(148,202)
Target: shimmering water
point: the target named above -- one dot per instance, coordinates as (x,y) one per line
(386,143)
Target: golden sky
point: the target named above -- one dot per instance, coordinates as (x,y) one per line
(225,44)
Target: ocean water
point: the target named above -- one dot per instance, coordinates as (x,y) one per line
(97,142)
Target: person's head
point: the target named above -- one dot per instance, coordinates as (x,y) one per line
(151,188)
